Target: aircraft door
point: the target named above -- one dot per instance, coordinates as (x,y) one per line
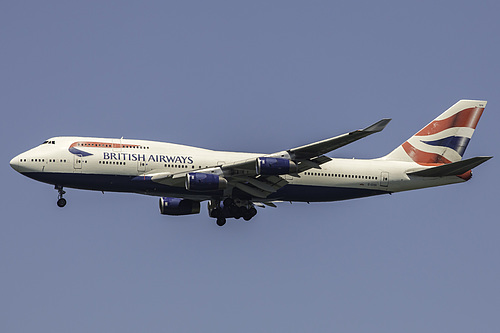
(141,166)
(384,179)
(77,163)
(117,145)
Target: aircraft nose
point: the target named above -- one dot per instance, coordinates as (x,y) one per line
(14,163)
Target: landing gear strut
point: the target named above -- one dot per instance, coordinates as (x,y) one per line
(61,202)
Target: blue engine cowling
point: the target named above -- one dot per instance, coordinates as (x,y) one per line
(202,182)
(275,166)
(177,206)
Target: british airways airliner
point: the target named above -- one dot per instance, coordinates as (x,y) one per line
(235,183)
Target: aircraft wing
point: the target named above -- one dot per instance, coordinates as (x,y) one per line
(322,147)
(312,155)
(258,186)
(243,174)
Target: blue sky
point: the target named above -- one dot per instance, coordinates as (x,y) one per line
(255,77)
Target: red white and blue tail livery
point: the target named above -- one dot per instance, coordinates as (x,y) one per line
(445,139)
(234,184)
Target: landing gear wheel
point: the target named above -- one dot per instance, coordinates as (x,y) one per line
(61,202)
(221,221)
(235,212)
(241,212)
(228,202)
(249,214)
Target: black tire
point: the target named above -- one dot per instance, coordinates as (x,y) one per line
(215,212)
(249,214)
(221,221)
(234,212)
(228,202)
(240,212)
(61,202)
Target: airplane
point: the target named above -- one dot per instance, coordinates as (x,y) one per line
(235,183)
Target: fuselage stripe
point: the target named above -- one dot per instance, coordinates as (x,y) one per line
(94,144)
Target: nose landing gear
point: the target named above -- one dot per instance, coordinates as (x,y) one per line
(61,202)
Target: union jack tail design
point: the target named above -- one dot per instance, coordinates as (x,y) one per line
(444,139)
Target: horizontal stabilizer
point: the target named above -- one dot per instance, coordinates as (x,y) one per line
(452,169)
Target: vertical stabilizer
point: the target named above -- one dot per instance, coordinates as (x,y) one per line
(443,140)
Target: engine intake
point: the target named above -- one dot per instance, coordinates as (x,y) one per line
(275,166)
(177,206)
(201,182)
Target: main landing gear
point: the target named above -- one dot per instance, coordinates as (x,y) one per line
(230,208)
(61,202)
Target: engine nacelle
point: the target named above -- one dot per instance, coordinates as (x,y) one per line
(177,206)
(275,166)
(202,182)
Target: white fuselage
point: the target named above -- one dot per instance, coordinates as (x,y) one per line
(118,165)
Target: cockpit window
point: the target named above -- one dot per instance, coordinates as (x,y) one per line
(49,142)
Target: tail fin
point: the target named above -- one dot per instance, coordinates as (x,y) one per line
(443,140)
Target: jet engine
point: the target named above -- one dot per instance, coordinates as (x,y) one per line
(201,182)
(177,206)
(275,166)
